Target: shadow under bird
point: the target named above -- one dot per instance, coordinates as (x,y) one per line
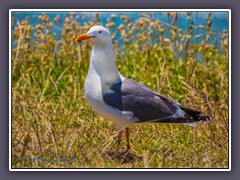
(124,101)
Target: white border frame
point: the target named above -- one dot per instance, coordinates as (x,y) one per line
(115,10)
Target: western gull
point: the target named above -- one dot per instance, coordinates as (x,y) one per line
(122,100)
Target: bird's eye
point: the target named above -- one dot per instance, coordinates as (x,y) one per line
(99,32)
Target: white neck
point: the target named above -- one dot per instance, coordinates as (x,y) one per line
(104,62)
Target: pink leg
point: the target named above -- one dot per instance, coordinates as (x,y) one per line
(127,139)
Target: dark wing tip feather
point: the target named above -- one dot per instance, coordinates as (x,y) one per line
(196,115)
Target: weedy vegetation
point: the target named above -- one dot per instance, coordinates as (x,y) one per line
(53,126)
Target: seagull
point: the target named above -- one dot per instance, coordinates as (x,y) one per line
(122,100)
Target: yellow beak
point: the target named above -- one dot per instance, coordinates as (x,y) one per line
(83,37)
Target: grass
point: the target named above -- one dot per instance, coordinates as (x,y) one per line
(53,125)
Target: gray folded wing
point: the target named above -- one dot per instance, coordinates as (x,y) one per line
(144,103)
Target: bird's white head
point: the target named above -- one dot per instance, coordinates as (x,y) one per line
(98,34)
(102,57)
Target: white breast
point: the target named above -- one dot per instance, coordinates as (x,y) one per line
(93,94)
